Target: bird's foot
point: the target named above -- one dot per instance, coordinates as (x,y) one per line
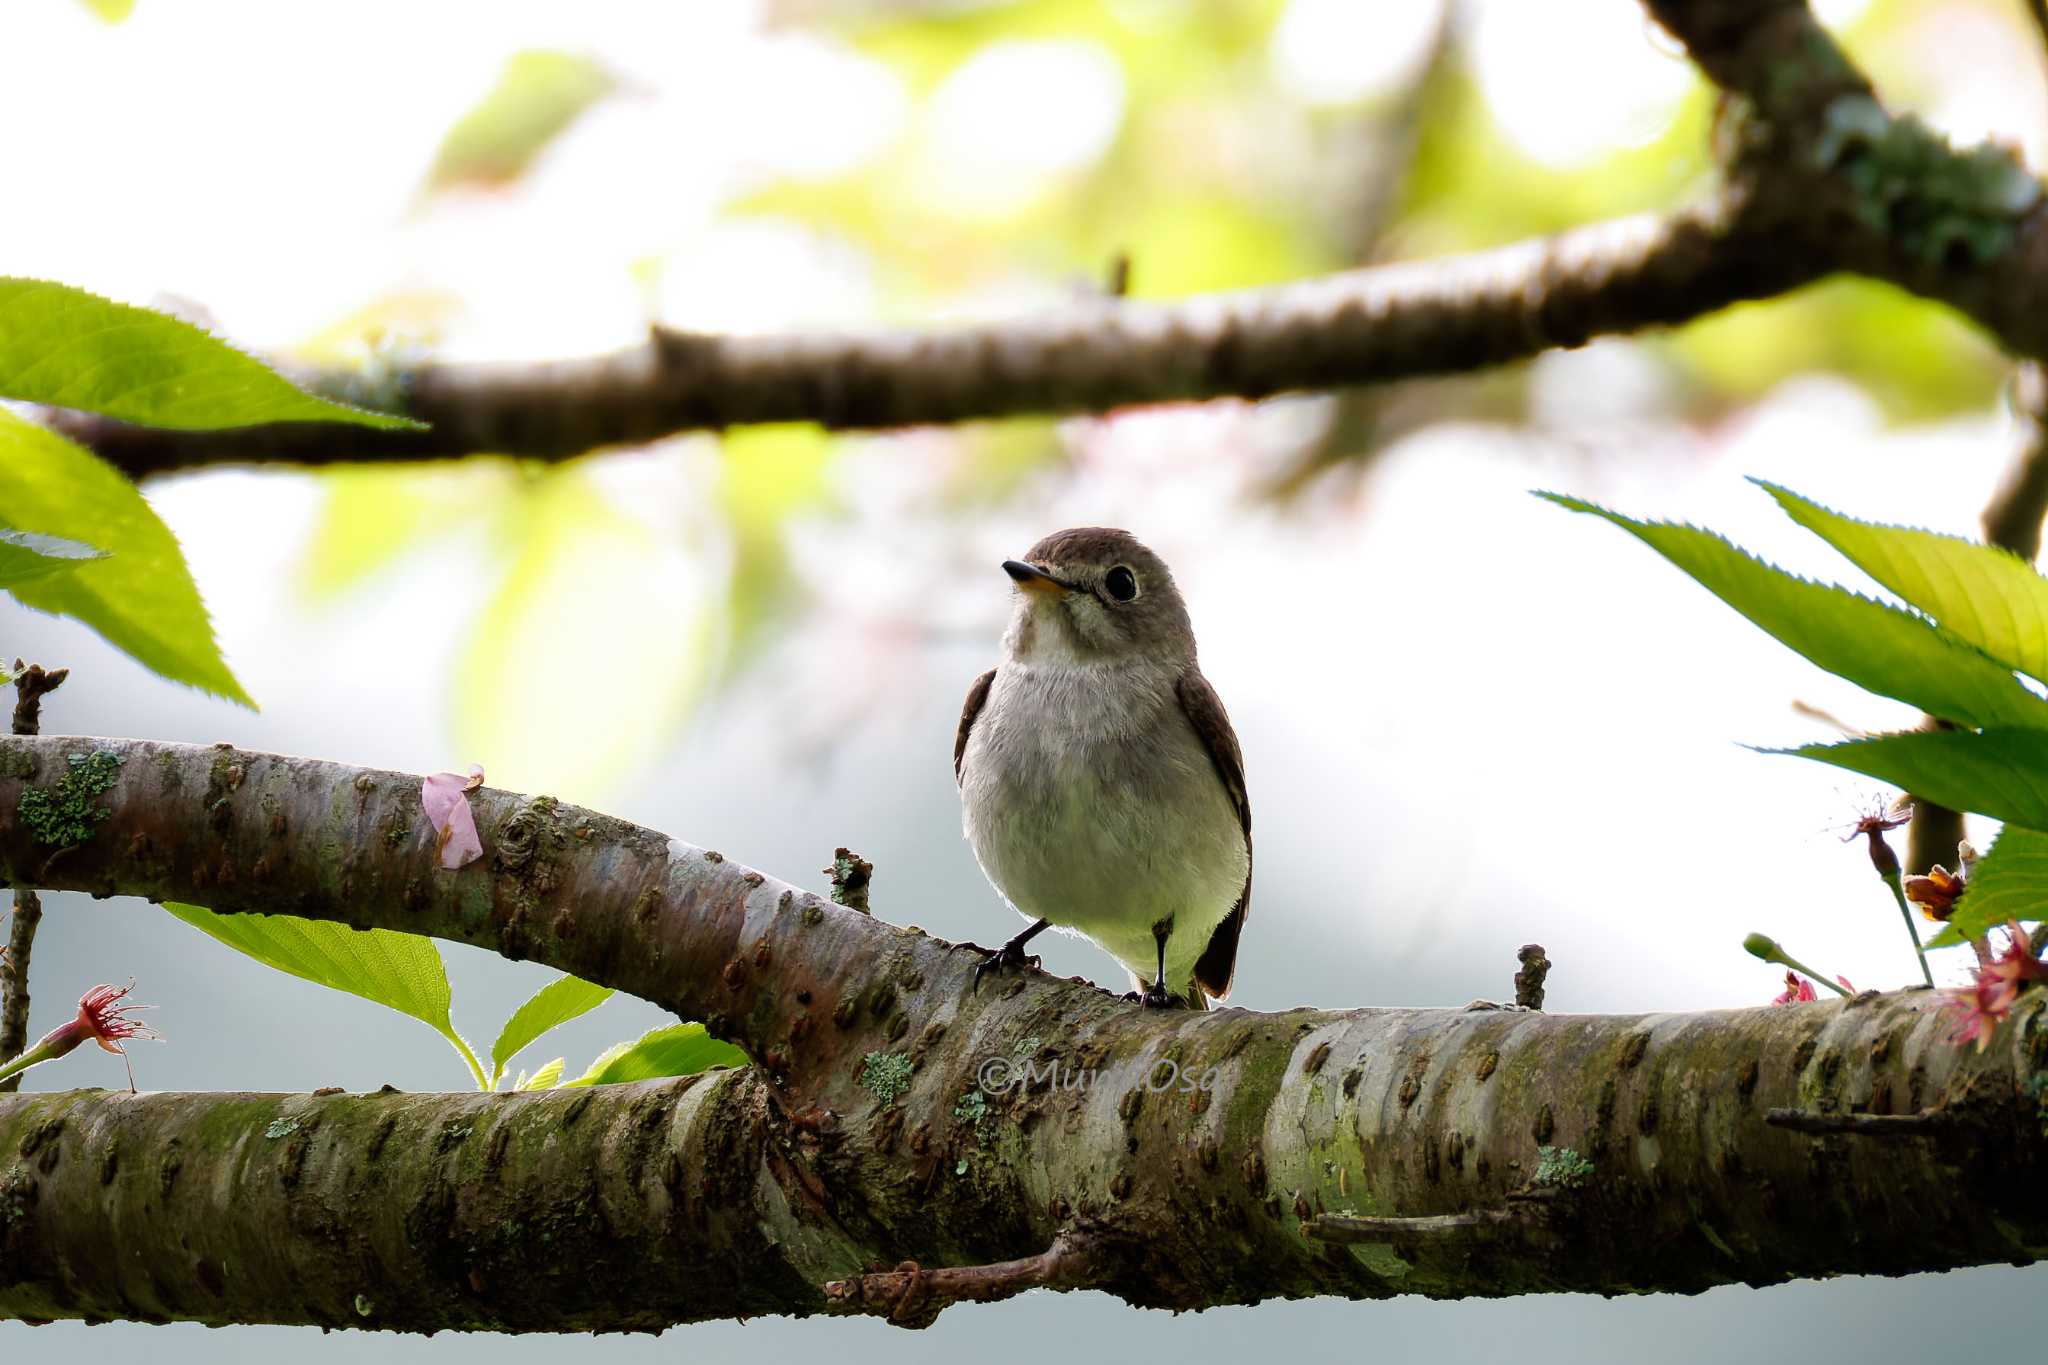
(1011,954)
(1155,997)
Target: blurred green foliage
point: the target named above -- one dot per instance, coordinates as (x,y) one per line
(588,612)
(1216,177)
(537,96)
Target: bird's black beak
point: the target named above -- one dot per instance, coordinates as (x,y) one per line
(1031,578)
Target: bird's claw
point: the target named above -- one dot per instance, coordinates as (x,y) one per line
(1154,997)
(1011,954)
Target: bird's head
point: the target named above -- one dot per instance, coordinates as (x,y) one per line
(1095,595)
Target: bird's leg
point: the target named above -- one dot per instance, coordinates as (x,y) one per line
(1156,995)
(1011,954)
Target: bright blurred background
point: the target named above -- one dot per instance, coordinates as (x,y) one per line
(1470,720)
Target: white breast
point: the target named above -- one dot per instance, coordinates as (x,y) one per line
(1091,802)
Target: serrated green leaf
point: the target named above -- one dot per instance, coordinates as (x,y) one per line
(25,555)
(1999,773)
(72,349)
(1982,594)
(1891,652)
(2010,882)
(141,597)
(547,1078)
(549,1007)
(537,96)
(673,1050)
(403,972)
(1949,937)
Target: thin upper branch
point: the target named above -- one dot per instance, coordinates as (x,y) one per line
(1817,179)
(1362,326)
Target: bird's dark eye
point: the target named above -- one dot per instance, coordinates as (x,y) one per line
(1121,584)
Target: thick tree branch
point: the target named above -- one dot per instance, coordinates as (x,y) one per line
(1188,1154)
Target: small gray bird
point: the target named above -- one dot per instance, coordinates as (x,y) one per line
(1101,785)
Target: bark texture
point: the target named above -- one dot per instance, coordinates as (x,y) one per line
(1039,1132)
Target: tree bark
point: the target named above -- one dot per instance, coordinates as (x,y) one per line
(1174,1159)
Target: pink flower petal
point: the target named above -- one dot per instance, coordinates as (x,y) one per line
(1798,990)
(446,799)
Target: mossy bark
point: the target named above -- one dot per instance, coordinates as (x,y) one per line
(893,1114)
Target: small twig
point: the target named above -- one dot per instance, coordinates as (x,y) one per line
(31,685)
(1526,1213)
(851,875)
(1479,1224)
(1529,980)
(1117,283)
(911,1296)
(1863,1125)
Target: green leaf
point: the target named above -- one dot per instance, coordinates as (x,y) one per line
(110,11)
(1999,773)
(552,1005)
(141,597)
(538,95)
(401,971)
(1949,937)
(2010,883)
(673,1050)
(71,349)
(547,1078)
(1891,652)
(1982,594)
(25,555)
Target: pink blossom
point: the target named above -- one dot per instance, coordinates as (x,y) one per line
(101,1017)
(1984,1004)
(446,798)
(1797,990)
(1977,1014)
